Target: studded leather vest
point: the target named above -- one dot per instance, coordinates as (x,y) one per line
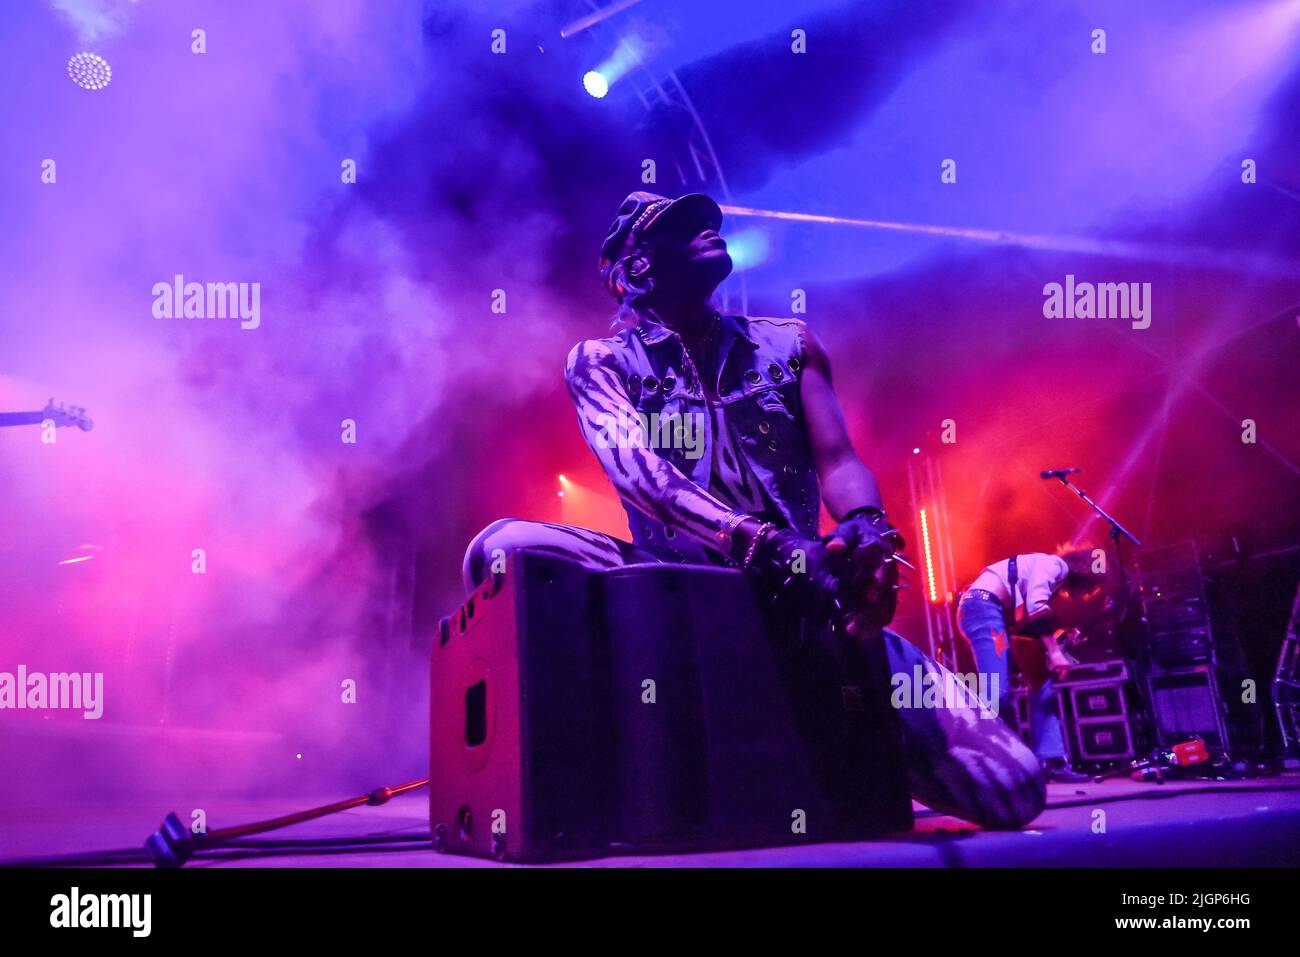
(759,370)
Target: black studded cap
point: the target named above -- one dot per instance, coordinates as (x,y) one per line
(639,212)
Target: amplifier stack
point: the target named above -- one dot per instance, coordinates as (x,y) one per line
(1183,677)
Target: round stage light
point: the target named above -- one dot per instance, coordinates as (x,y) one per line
(595,84)
(90,71)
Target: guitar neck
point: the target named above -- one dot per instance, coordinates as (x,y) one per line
(21,418)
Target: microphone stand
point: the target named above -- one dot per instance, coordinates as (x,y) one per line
(1117,533)
(1135,647)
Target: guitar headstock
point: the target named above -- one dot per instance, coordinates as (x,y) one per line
(64,416)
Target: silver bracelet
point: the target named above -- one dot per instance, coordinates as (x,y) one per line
(730,522)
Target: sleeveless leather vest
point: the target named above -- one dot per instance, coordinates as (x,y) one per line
(759,369)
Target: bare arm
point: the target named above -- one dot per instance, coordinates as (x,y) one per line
(846,481)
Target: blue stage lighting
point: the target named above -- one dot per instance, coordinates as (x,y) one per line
(595,84)
(748,248)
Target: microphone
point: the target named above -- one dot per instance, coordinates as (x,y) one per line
(1058,473)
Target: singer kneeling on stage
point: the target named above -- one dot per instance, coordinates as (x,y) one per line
(774,446)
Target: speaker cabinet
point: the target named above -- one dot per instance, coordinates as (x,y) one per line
(519,735)
(1095,713)
(735,729)
(1185,703)
(578,713)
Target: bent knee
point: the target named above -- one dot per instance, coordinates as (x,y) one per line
(493,530)
(494,536)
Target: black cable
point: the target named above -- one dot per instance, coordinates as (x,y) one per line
(89,859)
(239,854)
(141,856)
(322,841)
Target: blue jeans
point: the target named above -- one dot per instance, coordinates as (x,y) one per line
(982,623)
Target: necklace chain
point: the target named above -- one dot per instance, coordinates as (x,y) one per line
(708,352)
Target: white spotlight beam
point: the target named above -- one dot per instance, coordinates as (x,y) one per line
(596,16)
(1073,244)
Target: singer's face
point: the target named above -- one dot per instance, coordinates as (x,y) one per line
(692,249)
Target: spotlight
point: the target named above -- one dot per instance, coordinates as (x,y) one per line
(747,248)
(630,51)
(90,71)
(595,84)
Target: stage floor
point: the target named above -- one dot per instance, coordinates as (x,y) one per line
(1178,824)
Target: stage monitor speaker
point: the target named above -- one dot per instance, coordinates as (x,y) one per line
(520,734)
(651,708)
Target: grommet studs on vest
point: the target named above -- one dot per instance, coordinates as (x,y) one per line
(756,402)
